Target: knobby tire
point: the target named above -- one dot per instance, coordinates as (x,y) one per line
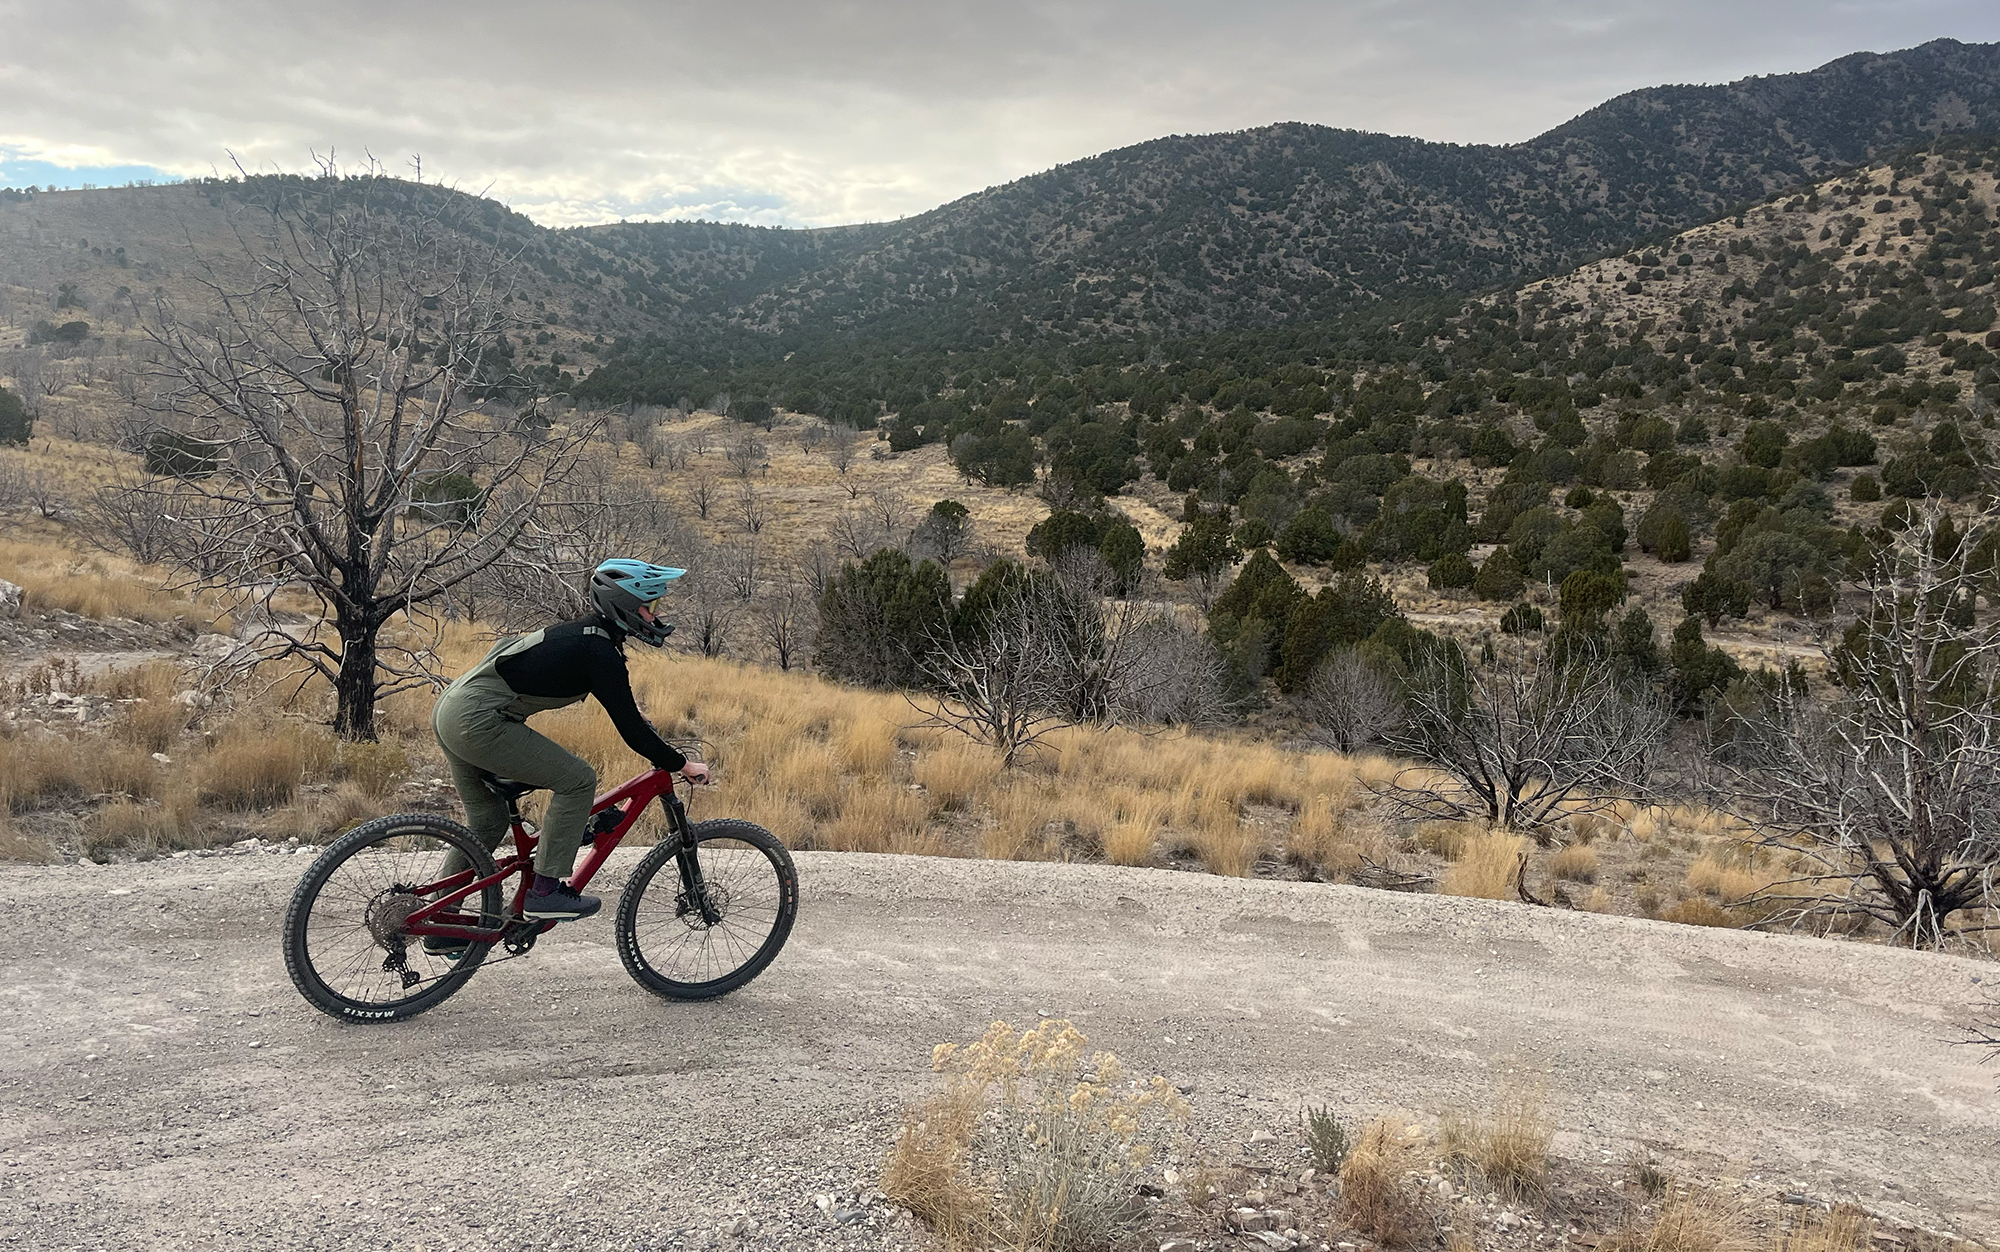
(329,958)
(672,953)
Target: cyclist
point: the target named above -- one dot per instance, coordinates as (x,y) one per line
(480,722)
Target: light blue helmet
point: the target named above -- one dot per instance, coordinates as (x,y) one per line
(620,588)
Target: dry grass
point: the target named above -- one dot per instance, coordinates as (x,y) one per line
(1445,840)
(41,769)
(1375,1197)
(1575,863)
(1321,838)
(930,1170)
(1487,868)
(19,846)
(1690,1221)
(1509,1147)
(1845,1229)
(96,585)
(255,767)
(1731,872)
(956,775)
(1138,819)
(1695,911)
(145,829)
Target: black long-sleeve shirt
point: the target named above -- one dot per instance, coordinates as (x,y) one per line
(580,658)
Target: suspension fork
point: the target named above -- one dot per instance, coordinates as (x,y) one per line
(692,883)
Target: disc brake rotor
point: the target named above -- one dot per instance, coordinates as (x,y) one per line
(690,912)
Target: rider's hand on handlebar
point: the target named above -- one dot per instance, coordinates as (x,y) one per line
(695,772)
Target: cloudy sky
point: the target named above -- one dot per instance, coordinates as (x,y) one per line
(844,110)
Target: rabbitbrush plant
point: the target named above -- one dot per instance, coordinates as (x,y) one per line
(1032,1144)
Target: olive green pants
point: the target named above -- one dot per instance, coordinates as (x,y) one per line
(479,722)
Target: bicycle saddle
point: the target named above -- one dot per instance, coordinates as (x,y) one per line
(507,788)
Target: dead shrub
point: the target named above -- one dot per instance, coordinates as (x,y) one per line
(1575,864)
(1374,1196)
(1032,1144)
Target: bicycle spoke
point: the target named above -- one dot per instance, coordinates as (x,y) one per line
(352,929)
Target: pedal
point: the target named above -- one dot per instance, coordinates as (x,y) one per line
(522,933)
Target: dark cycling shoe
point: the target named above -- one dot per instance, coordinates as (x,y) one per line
(560,903)
(445,946)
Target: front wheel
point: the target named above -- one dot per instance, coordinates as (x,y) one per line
(695,943)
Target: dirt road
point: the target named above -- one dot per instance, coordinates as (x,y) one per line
(162,1086)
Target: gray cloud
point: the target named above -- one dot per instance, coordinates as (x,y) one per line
(820,113)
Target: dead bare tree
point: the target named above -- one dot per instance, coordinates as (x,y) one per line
(125,517)
(840,442)
(1349,701)
(853,534)
(815,567)
(701,493)
(13,486)
(343,373)
(782,616)
(890,513)
(547,577)
(738,567)
(45,494)
(1890,793)
(752,509)
(745,454)
(1052,651)
(993,682)
(1524,741)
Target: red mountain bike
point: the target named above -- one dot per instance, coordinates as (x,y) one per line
(381,928)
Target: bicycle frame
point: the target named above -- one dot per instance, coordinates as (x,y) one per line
(439,919)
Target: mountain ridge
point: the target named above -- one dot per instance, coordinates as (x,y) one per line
(1293,221)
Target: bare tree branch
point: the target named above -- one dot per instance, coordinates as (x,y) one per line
(346,373)
(1891,795)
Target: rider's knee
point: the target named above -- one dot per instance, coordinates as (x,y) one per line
(581,780)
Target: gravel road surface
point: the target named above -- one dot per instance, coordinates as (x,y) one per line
(162,1085)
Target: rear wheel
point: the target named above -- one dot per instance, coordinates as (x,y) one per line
(688,948)
(345,946)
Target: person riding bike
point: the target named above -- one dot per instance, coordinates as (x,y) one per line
(480,722)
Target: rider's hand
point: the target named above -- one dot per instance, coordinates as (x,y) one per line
(695,772)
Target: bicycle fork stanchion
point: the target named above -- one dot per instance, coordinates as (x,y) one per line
(692,885)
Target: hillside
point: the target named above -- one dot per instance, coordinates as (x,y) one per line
(1295,222)
(98,255)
